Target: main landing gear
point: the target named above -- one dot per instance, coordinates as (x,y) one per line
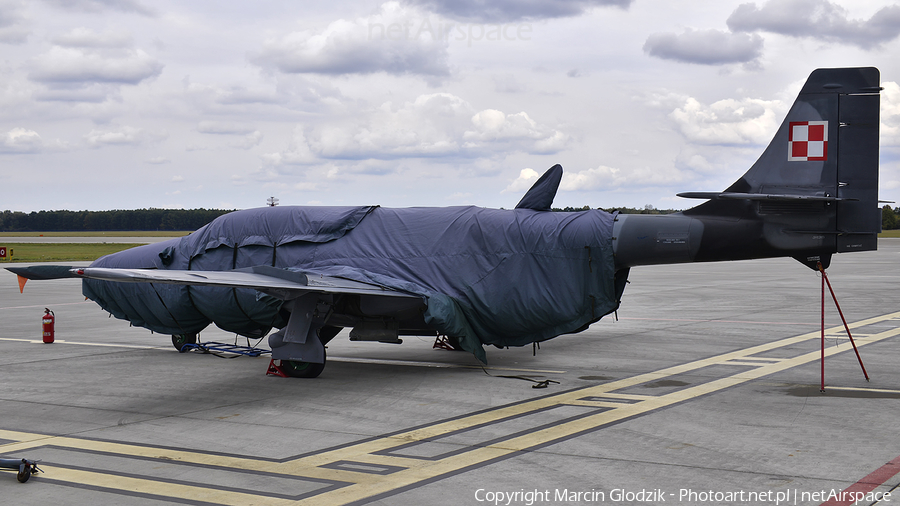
(299,369)
(283,368)
(295,369)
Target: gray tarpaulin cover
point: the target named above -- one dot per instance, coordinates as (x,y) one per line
(488,276)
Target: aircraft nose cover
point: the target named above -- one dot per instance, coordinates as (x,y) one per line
(489,276)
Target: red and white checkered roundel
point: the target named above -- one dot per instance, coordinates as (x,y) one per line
(808,141)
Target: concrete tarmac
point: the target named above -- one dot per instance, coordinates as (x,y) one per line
(705,391)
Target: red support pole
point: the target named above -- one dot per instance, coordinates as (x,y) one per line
(846,327)
(822,359)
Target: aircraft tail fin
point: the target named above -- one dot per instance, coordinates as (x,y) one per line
(815,187)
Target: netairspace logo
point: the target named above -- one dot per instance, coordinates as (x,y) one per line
(469,32)
(685,495)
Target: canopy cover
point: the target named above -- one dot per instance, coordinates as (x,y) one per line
(487,276)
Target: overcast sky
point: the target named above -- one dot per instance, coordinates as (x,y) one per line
(124,104)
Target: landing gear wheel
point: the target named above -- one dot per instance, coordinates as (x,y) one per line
(24,473)
(298,369)
(179,340)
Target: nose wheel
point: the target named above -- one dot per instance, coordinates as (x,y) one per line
(179,340)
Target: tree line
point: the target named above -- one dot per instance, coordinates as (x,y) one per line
(192,219)
(157,219)
(890,218)
(96,221)
(648,209)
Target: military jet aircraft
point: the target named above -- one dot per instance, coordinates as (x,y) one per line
(493,276)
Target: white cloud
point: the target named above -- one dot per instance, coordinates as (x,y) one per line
(87,38)
(381,42)
(309,93)
(514,10)
(97,6)
(706,47)
(78,92)
(890,114)
(603,178)
(432,125)
(729,122)
(344,95)
(23,140)
(71,65)
(297,152)
(248,141)
(88,66)
(224,127)
(527,177)
(20,140)
(818,19)
(124,136)
(13,22)
(493,126)
(508,83)
(306,186)
(600,178)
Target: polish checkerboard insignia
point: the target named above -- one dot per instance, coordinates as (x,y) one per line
(808,141)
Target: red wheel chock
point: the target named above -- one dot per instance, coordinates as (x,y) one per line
(275,370)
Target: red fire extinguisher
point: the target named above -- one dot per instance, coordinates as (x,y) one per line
(48,321)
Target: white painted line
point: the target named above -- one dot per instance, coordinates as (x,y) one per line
(857,389)
(46,305)
(104,345)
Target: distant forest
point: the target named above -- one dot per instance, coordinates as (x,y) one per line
(156,219)
(96,221)
(648,209)
(192,219)
(890,218)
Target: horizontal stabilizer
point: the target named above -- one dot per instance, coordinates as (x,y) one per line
(760,196)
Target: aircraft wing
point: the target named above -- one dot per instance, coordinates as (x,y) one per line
(280,283)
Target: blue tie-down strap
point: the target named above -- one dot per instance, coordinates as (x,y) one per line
(216,348)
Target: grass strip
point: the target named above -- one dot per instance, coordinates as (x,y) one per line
(62,252)
(100,235)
